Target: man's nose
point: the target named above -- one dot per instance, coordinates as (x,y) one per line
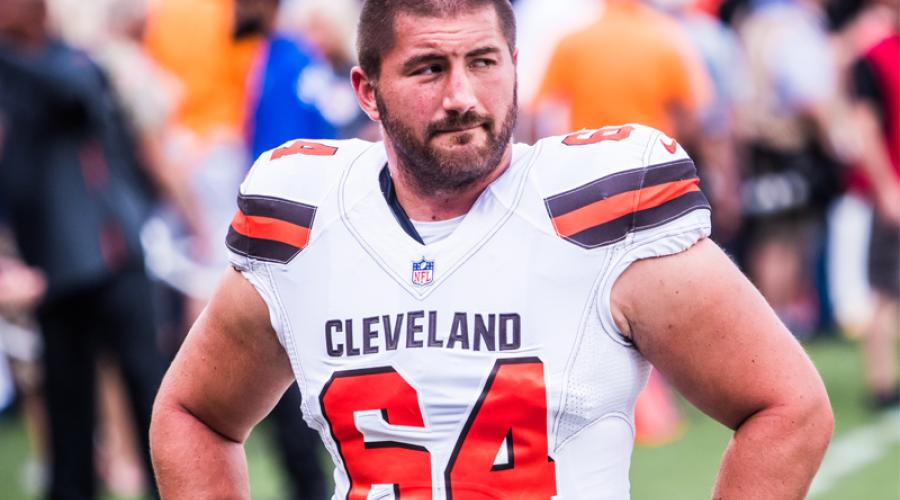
(460,92)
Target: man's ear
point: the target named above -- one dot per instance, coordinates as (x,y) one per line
(515,57)
(365,93)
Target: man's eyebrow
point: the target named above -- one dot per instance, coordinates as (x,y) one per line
(420,59)
(483,51)
(431,57)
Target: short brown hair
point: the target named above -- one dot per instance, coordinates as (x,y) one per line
(375,33)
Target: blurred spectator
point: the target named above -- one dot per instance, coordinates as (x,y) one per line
(70,184)
(203,56)
(633,64)
(876,90)
(540,26)
(280,111)
(794,124)
(717,144)
(149,97)
(861,26)
(192,40)
(330,26)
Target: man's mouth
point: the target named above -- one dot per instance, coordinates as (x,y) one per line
(454,130)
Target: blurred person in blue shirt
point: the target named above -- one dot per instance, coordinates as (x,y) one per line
(281,107)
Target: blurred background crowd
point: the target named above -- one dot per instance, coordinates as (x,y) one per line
(126,127)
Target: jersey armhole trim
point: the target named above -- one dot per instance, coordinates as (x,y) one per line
(286,336)
(621,262)
(621,253)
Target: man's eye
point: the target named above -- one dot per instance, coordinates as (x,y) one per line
(483,63)
(428,70)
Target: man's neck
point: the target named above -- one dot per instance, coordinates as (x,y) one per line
(441,205)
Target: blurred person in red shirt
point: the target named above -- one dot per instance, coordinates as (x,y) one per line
(876,106)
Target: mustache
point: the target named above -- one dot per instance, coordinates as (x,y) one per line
(456,121)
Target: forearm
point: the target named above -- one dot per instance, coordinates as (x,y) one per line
(192,461)
(775,454)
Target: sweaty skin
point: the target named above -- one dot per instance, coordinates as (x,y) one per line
(693,315)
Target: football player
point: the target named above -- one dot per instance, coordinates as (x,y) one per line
(472,318)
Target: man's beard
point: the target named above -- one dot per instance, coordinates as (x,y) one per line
(432,170)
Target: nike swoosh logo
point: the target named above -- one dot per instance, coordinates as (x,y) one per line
(671,147)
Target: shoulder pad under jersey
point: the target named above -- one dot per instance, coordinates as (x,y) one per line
(280,197)
(601,185)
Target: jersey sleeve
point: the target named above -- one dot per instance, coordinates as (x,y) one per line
(670,215)
(625,193)
(277,209)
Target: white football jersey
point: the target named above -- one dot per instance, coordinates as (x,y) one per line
(486,365)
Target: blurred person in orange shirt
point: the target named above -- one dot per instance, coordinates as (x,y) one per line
(634,64)
(192,40)
(540,26)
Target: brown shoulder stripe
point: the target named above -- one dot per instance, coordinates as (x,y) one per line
(606,210)
(270,229)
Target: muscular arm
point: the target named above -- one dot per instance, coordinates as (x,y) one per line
(710,333)
(227,376)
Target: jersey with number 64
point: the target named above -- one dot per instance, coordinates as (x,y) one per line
(486,365)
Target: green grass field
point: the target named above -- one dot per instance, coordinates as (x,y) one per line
(863,462)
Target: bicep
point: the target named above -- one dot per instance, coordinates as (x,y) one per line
(701,323)
(231,370)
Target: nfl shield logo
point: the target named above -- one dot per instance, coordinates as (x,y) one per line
(423,272)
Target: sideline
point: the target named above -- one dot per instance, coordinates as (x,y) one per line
(856,449)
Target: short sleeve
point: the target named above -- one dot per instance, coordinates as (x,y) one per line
(671,215)
(254,270)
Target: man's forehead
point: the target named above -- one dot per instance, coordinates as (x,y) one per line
(449,33)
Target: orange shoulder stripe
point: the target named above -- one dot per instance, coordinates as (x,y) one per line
(267,228)
(603,211)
